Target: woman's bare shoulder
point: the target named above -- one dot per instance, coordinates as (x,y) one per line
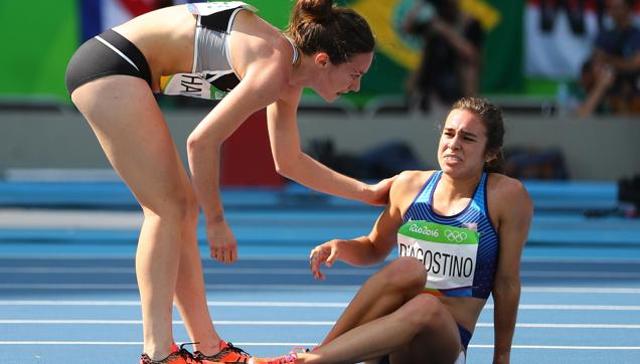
(504,187)
(406,185)
(507,197)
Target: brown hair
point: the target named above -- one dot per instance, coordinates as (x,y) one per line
(318,26)
(491,117)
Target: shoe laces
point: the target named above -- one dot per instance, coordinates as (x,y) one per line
(228,348)
(186,355)
(181,353)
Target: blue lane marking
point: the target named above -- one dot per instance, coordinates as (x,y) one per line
(547,195)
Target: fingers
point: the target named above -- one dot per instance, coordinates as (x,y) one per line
(314,265)
(224,254)
(318,256)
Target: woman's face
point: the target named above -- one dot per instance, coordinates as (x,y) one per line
(335,80)
(461,151)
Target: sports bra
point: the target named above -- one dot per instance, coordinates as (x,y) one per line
(459,252)
(212,76)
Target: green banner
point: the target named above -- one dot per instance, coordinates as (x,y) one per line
(38,55)
(504,51)
(39,37)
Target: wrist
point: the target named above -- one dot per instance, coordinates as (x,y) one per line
(214,219)
(501,356)
(367,192)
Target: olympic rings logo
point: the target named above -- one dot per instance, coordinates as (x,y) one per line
(457,236)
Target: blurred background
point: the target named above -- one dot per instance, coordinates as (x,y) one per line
(564,71)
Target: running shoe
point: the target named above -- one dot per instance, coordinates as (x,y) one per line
(228,354)
(178,356)
(290,358)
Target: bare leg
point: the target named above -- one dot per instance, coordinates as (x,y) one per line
(421,331)
(123,114)
(382,294)
(191,296)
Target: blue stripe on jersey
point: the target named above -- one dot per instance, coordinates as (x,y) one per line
(475,213)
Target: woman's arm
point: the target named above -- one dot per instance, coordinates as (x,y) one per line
(514,215)
(373,248)
(254,92)
(293,163)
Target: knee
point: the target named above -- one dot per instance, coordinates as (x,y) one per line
(406,274)
(178,206)
(425,312)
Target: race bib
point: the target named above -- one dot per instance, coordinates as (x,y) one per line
(205,9)
(192,85)
(448,253)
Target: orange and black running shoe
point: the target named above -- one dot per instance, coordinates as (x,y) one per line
(178,356)
(228,354)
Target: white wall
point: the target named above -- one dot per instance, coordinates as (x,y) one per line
(596,149)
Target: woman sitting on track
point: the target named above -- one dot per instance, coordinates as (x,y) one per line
(460,233)
(209,50)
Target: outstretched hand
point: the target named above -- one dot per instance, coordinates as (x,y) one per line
(325,254)
(380,191)
(222,243)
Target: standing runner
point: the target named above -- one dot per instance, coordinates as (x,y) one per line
(220,51)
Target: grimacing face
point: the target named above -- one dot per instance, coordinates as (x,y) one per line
(336,80)
(462,146)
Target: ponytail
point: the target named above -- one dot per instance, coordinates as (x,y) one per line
(319,26)
(316,10)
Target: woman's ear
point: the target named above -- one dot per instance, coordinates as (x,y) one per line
(491,156)
(321,59)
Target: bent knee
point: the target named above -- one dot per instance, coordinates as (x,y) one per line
(406,273)
(426,311)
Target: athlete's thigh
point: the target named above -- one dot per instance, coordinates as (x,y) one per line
(438,345)
(131,129)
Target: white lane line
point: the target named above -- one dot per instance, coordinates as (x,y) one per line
(297,287)
(574,307)
(581,290)
(175,322)
(137,303)
(305,272)
(567,326)
(212,287)
(309,344)
(305,323)
(221,271)
(559,347)
(304,304)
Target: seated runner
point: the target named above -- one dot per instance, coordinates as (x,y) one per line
(460,232)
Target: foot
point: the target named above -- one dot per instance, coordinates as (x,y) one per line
(228,354)
(290,358)
(178,356)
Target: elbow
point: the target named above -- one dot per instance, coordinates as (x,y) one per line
(284,165)
(194,144)
(281,168)
(197,144)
